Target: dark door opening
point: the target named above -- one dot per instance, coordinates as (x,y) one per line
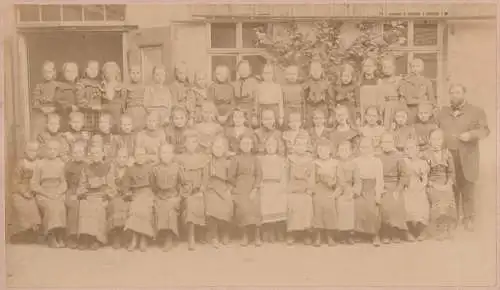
(71,46)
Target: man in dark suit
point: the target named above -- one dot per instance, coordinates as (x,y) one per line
(464,125)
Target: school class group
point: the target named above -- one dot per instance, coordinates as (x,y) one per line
(358,160)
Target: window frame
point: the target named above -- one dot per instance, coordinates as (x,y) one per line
(142,50)
(411,49)
(239,51)
(62,22)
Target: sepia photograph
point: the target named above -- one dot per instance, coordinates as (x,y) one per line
(249,145)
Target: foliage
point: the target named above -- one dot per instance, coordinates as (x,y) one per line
(325,44)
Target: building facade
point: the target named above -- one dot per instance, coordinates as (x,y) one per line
(456,41)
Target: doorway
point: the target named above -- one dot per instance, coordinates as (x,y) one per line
(70,46)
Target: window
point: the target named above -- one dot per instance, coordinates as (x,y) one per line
(425,33)
(47,13)
(73,12)
(249,35)
(94,12)
(223,35)
(51,13)
(232,42)
(29,13)
(424,40)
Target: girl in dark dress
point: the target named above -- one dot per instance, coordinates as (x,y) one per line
(245,175)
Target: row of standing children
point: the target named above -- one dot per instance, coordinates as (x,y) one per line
(93,96)
(370,191)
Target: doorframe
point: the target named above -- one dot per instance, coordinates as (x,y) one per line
(21,70)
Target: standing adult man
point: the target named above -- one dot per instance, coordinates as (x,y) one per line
(464,125)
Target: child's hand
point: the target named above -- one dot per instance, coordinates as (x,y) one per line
(464,137)
(96,107)
(74,108)
(47,110)
(27,195)
(222,119)
(85,135)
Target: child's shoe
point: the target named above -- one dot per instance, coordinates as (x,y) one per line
(94,246)
(258,240)
(215,243)
(72,242)
(133,243)
(317,240)
(376,241)
(244,241)
(225,239)
(143,244)
(52,242)
(331,241)
(116,243)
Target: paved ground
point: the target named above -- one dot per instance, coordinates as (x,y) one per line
(469,260)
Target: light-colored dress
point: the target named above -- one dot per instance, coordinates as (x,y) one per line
(300,186)
(416,201)
(158,99)
(50,186)
(273,197)
(27,215)
(372,185)
(270,97)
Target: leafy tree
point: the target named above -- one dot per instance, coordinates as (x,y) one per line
(325,44)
